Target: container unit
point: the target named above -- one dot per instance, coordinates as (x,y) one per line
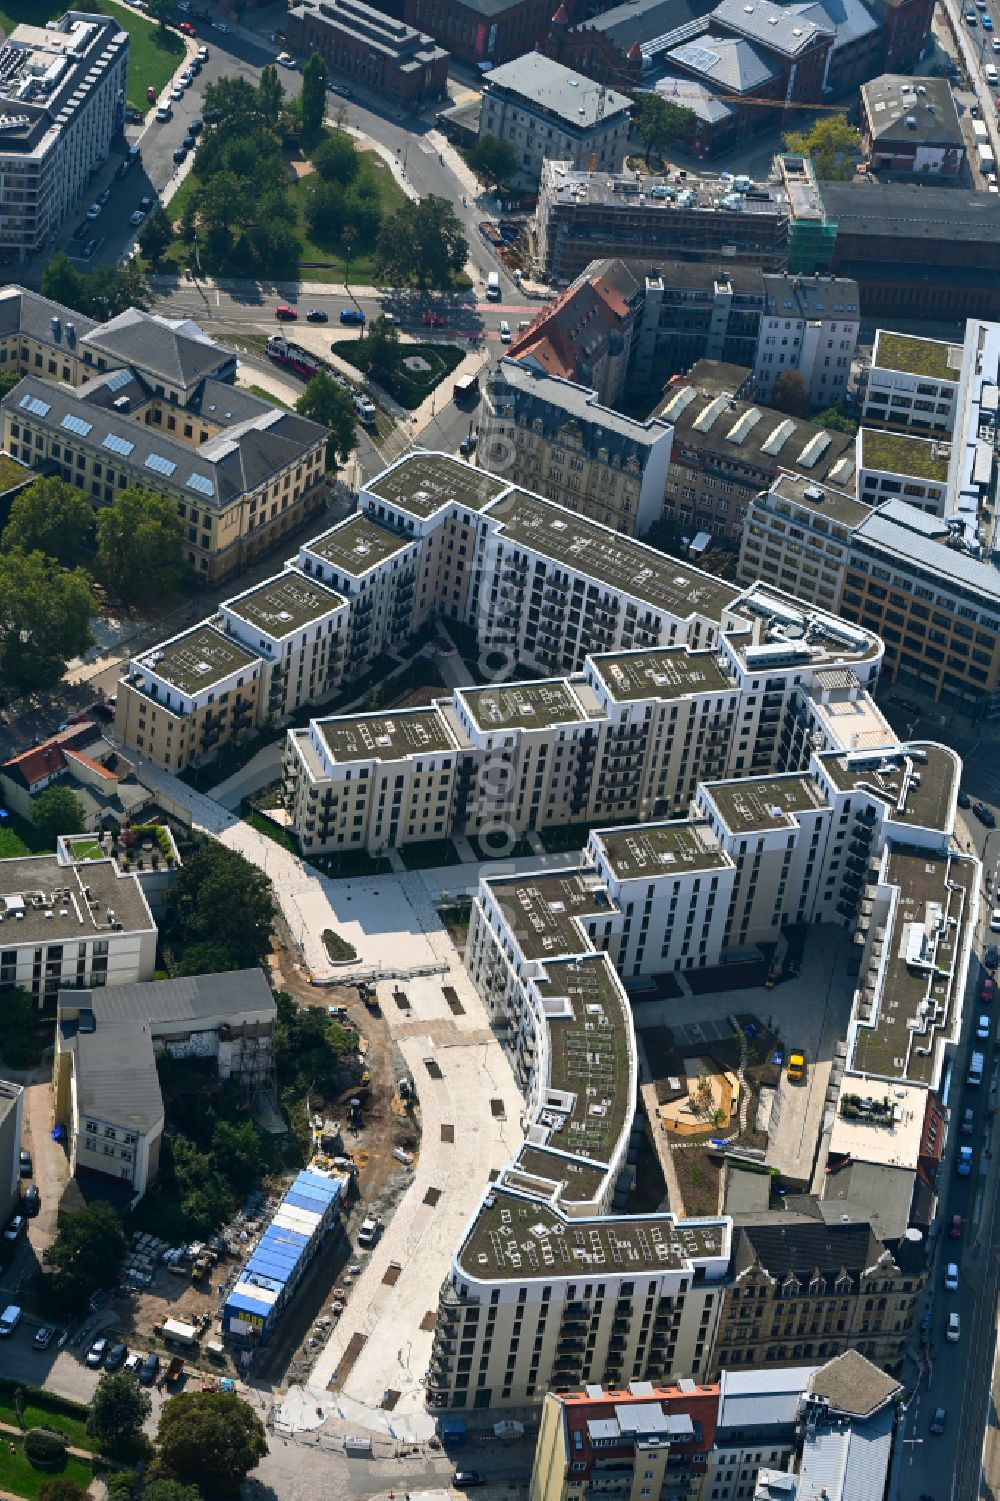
(280,1258)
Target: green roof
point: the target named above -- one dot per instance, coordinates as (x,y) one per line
(931,357)
(385,737)
(425,482)
(671,672)
(895,453)
(197,660)
(542,912)
(755,804)
(284,604)
(661,850)
(357,544)
(528,706)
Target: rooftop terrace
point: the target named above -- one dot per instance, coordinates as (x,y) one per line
(755,804)
(903,1023)
(384,737)
(284,604)
(526,706)
(670,672)
(934,358)
(358,544)
(424,482)
(918,788)
(197,660)
(598,553)
(661,850)
(542,913)
(897,453)
(516,1238)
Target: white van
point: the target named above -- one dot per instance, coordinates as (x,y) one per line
(953,1333)
(9,1320)
(991,75)
(976,1065)
(493,287)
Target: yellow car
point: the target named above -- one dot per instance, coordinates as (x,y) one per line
(796,1069)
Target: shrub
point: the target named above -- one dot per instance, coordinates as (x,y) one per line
(45,1449)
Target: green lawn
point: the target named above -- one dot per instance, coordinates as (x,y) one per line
(408,387)
(338,949)
(19,837)
(19,1476)
(85,848)
(11,844)
(429,854)
(12,473)
(44,1411)
(275,401)
(269,828)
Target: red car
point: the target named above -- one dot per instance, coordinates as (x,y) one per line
(285,314)
(186,27)
(955,1228)
(986,992)
(434,320)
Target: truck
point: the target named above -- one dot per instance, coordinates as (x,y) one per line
(368,1234)
(980,132)
(987,161)
(493,287)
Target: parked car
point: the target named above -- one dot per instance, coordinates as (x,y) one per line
(149,1369)
(188,142)
(796,1068)
(953,1329)
(164,113)
(146,203)
(116,1357)
(341,89)
(103,196)
(992,956)
(188,29)
(31,1200)
(197,126)
(133,1363)
(986,991)
(25,1161)
(964,1164)
(176,93)
(94,211)
(88,249)
(955,1227)
(97,1352)
(285,314)
(985,815)
(467,445)
(9,1320)
(968,1122)
(44,1336)
(317,315)
(983,1029)
(964,800)
(951,1277)
(15,1227)
(352,315)
(180,155)
(285,60)
(202,54)
(995,920)
(463,1480)
(434,320)
(136,218)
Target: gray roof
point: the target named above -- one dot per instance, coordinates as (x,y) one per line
(909,210)
(848,18)
(238,991)
(32,111)
(761,1398)
(812,296)
(537,396)
(694,95)
(732,63)
(777,27)
(645,20)
(29,313)
(557,90)
(115,1073)
(853,1386)
(177,350)
(914,538)
(891,101)
(847,1463)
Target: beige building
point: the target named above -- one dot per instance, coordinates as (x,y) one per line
(105,1083)
(147,401)
(546,111)
(798,533)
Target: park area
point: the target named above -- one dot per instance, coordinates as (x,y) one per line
(416,370)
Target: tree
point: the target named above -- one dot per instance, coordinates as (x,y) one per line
(382,347)
(270,94)
(315,77)
(156,235)
(139,544)
(658,121)
(63,283)
(231,101)
(209,1439)
(325,402)
(325,213)
(52,517)
(121,1486)
(102,293)
(86,1255)
(220,898)
(222,201)
(422,241)
(791,394)
(8,380)
(169,1490)
(836,420)
(336,158)
(236,1154)
(119,1408)
(62,1488)
(493,159)
(832,144)
(161,11)
(45,617)
(57,810)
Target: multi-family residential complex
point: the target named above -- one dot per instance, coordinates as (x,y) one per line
(68,924)
(799,534)
(810,325)
(556,438)
(62,92)
(106,1091)
(148,401)
(912,384)
(546,111)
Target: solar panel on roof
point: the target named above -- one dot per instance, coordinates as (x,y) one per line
(159,464)
(118,379)
(74,424)
(36,407)
(117,445)
(200,483)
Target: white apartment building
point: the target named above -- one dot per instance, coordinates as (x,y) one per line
(912,384)
(798,533)
(896,466)
(809,324)
(545,110)
(62,93)
(376,570)
(68,925)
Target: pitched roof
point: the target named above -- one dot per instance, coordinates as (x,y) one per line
(48,758)
(849,19)
(778,28)
(795,1244)
(175,349)
(851,1385)
(892,102)
(732,63)
(574,331)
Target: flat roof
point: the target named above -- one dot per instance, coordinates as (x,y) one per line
(285,603)
(866,1131)
(898,453)
(515,1238)
(820,500)
(424,482)
(357,544)
(196,660)
(929,772)
(556,90)
(385,737)
(82,901)
(902,1024)
(527,706)
(623,564)
(662,849)
(590,1056)
(542,913)
(577,1181)
(756,804)
(665,673)
(935,358)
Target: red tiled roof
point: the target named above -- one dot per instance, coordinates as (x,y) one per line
(48,758)
(573,329)
(74,755)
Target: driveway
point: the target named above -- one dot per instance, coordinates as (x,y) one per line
(49,1162)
